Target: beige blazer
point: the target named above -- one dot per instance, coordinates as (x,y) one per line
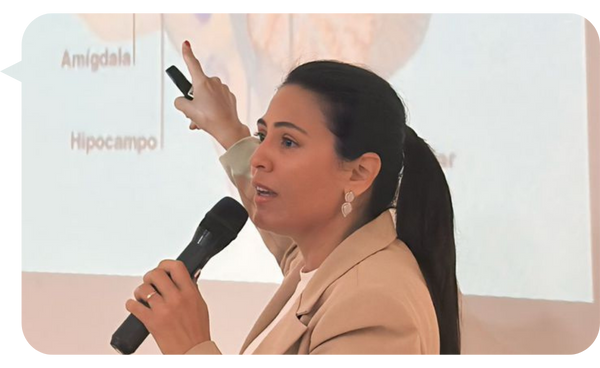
(367,297)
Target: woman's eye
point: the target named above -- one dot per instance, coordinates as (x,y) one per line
(288,143)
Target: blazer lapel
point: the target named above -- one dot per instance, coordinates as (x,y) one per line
(281,296)
(287,332)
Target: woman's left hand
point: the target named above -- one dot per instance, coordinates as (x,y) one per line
(178,316)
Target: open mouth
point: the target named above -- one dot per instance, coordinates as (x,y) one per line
(262,192)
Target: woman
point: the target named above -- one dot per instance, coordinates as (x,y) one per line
(368,264)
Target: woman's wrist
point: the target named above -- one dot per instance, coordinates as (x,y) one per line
(234,135)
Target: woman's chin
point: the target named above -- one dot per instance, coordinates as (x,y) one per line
(260,221)
(267,222)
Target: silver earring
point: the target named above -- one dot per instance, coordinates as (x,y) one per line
(347,207)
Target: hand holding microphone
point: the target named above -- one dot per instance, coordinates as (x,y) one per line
(175,312)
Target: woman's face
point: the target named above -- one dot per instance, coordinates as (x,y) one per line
(296,160)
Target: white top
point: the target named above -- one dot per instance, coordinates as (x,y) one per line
(304,279)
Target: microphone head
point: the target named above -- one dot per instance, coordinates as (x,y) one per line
(227,215)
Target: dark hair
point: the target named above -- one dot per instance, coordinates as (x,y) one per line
(366,114)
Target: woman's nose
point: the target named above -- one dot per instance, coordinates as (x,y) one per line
(260,159)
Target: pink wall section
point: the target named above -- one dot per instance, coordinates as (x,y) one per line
(77,314)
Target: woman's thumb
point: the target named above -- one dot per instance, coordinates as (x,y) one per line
(184,105)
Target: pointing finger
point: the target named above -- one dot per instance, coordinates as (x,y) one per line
(192,63)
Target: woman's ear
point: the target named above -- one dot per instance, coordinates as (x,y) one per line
(364,171)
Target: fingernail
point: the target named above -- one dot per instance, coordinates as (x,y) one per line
(187,43)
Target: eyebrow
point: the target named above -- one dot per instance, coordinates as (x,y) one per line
(282,124)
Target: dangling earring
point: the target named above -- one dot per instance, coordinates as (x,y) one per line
(347,207)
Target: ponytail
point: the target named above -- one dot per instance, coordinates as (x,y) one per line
(424,221)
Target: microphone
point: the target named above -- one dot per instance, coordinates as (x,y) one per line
(218,228)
